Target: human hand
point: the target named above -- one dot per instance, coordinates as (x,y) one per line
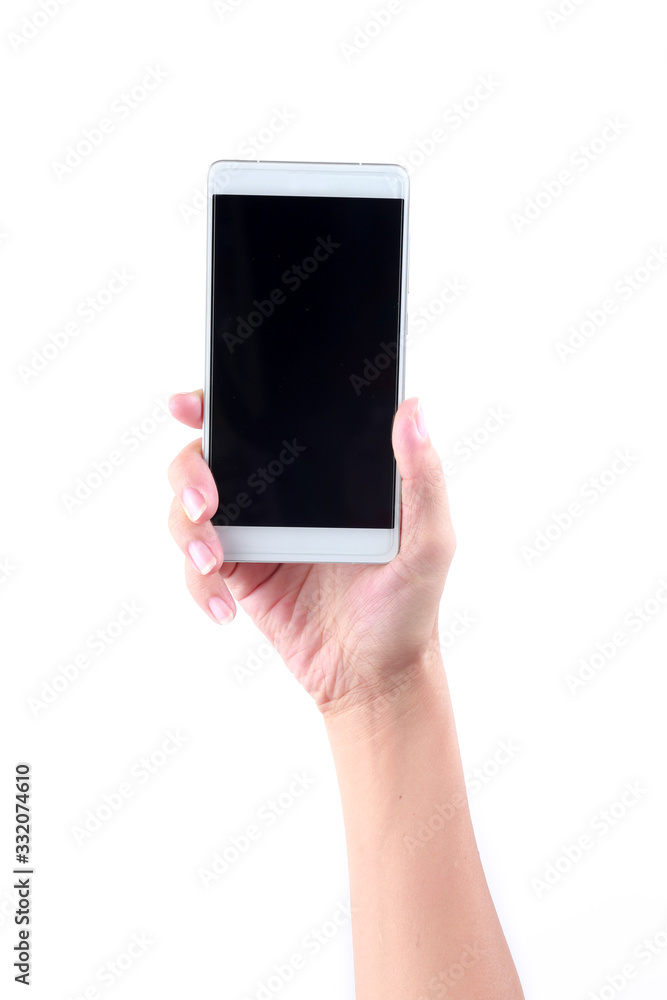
(350,633)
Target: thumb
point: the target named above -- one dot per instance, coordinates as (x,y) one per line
(427,536)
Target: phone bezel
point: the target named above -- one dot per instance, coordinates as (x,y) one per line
(242,543)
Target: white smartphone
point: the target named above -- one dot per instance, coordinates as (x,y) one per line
(307,279)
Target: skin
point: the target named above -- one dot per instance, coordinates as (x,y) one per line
(363,642)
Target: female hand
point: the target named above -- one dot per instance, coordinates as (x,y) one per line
(350,634)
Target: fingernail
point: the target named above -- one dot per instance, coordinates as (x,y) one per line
(201,556)
(194,503)
(419,420)
(220,611)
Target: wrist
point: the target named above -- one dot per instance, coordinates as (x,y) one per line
(362,716)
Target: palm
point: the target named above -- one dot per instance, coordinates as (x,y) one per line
(329,622)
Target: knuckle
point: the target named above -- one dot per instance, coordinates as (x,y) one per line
(453,541)
(448,547)
(440,549)
(174,469)
(174,519)
(434,478)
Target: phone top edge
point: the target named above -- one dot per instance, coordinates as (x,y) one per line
(282,177)
(310,163)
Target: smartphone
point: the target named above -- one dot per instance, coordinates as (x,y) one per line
(307,270)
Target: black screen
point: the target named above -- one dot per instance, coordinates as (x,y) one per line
(305,326)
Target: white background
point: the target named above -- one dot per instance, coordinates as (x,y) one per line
(66,574)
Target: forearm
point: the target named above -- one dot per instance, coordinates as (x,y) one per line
(423,921)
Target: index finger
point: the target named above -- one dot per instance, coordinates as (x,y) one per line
(188,407)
